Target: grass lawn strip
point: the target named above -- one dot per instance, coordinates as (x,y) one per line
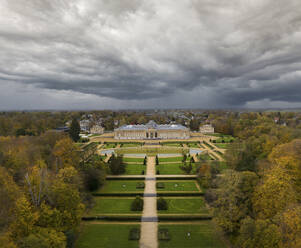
(134,169)
(106,236)
(222,145)
(201,235)
(172,169)
(179,186)
(185,205)
(123,186)
(111,205)
(170,159)
(137,160)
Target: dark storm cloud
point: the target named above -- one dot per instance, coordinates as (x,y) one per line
(241,51)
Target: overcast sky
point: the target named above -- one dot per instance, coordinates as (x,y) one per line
(82,54)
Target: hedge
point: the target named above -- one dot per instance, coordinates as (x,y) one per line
(182,217)
(113,218)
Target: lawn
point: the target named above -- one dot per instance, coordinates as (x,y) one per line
(130,160)
(171,185)
(201,235)
(185,205)
(172,144)
(130,144)
(225,139)
(222,145)
(170,159)
(112,186)
(134,169)
(97,235)
(111,205)
(151,151)
(109,145)
(172,169)
(193,145)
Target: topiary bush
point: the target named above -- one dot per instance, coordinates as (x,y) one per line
(162,204)
(160,185)
(134,234)
(163,234)
(137,204)
(140,185)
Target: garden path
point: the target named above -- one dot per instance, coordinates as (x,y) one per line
(149,221)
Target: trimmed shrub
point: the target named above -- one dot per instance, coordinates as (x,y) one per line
(137,204)
(134,234)
(160,185)
(140,185)
(163,234)
(162,204)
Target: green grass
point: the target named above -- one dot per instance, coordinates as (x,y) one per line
(130,144)
(187,205)
(202,235)
(151,151)
(105,236)
(112,186)
(171,185)
(109,145)
(134,169)
(136,160)
(172,144)
(222,145)
(193,145)
(226,139)
(170,159)
(172,169)
(108,205)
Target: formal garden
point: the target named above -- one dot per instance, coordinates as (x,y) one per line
(185,220)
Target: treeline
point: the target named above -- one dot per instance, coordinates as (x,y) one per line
(44,190)
(31,123)
(257,201)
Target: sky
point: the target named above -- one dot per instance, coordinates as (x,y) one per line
(119,54)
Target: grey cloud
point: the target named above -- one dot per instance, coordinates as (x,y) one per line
(238,50)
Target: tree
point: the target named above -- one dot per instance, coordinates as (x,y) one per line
(274,194)
(187,168)
(116,165)
(9,193)
(66,154)
(162,204)
(137,204)
(74,130)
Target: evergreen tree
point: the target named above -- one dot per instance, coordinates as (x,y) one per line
(74,130)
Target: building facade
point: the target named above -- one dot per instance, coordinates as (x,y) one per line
(152,130)
(208,128)
(96,129)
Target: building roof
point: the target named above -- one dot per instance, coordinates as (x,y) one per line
(152,125)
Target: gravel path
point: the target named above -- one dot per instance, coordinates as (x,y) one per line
(149,221)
